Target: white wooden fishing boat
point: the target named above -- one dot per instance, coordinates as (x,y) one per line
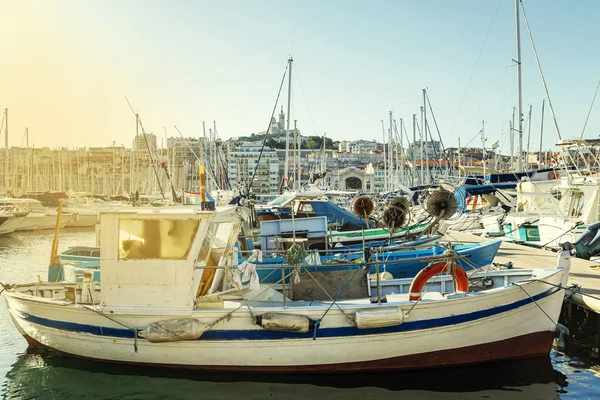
(164,300)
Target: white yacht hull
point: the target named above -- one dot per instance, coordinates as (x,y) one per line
(11,225)
(554,231)
(83,219)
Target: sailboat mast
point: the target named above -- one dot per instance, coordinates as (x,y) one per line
(287,128)
(401,152)
(299,165)
(528,135)
(414,149)
(512,141)
(137,159)
(391,153)
(541,133)
(520,88)
(483,152)
(6,176)
(385,180)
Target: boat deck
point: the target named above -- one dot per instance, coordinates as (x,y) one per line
(584,273)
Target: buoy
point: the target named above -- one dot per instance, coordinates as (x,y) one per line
(378,317)
(383,276)
(460,278)
(285,322)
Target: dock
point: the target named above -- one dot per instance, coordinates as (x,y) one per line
(584,273)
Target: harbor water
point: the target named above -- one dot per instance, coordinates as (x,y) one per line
(26,374)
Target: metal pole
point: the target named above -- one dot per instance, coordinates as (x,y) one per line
(520,88)
(422,149)
(483,154)
(541,134)
(385,182)
(512,141)
(287,129)
(414,150)
(401,152)
(391,153)
(458,168)
(528,137)
(298,164)
(137,160)
(424,128)
(6,175)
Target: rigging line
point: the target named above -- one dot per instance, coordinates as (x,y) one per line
(475,66)
(268,129)
(590,111)
(210,172)
(474,137)
(438,131)
(2,125)
(541,72)
(435,122)
(208,161)
(536,303)
(147,146)
(151,159)
(297,79)
(224,165)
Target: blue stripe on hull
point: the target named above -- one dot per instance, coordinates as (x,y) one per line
(261,334)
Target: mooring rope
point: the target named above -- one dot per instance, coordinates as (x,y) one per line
(135,331)
(318,321)
(330,298)
(538,306)
(6,286)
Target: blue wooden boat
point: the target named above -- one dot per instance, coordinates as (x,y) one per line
(401,264)
(394,244)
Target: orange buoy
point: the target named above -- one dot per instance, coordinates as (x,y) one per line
(460,278)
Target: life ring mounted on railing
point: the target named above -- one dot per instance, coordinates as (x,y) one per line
(461,279)
(553,175)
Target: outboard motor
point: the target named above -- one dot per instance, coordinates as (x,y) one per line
(588,245)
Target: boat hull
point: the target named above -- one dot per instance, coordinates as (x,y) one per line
(514,322)
(526,346)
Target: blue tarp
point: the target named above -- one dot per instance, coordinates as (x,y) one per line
(462,193)
(336,214)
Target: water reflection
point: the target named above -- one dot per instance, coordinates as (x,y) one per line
(47,376)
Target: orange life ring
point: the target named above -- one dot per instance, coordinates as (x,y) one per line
(553,175)
(460,278)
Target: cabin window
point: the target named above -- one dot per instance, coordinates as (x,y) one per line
(169,239)
(217,236)
(305,208)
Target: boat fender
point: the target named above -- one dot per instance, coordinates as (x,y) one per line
(173,330)
(460,278)
(383,276)
(378,317)
(285,322)
(564,262)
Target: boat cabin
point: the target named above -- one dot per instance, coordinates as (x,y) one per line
(158,258)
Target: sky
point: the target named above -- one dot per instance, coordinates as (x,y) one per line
(68,66)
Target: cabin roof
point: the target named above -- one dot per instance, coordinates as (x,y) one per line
(221,214)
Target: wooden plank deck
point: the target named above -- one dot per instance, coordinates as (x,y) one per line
(584,273)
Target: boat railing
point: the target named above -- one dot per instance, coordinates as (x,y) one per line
(441,257)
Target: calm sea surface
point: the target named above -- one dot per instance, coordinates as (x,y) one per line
(27,375)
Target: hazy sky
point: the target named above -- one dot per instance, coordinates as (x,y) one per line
(66,67)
